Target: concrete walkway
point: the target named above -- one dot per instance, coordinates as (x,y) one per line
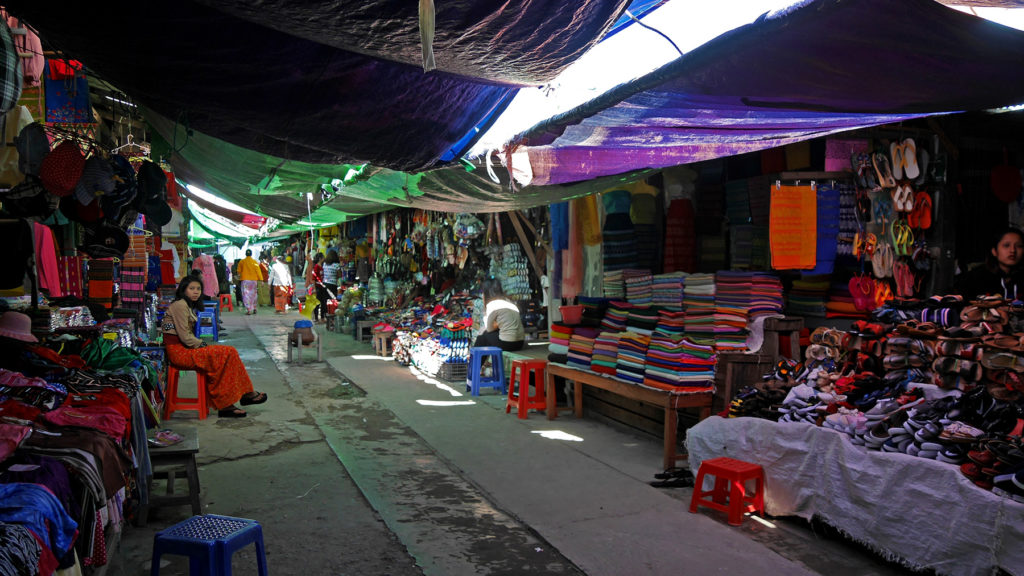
(361,466)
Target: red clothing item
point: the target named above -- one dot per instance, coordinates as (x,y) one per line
(226,378)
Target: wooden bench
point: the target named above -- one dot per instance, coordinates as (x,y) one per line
(671,402)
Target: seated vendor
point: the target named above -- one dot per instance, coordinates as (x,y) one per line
(227,381)
(502,325)
(1001,273)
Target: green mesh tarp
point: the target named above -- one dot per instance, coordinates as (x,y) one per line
(277,188)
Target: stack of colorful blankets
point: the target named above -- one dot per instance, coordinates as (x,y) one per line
(629,364)
(667,290)
(581,347)
(699,302)
(638,286)
(615,316)
(732,301)
(614,286)
(642,320)
(679,364)
(671,324)
(606,353)
(559,338)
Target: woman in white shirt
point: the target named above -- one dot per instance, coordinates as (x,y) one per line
(502,325)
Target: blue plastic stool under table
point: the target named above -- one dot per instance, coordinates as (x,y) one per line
(209,541)
(474,381)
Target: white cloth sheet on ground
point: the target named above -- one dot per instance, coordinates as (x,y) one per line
(919,512)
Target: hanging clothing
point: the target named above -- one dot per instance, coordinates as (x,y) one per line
(204,263)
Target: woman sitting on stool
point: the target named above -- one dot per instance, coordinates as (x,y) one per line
(502,326)
(227,381)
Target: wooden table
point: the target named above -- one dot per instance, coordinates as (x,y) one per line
(671,402)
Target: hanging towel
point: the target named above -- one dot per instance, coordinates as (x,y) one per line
(793,225)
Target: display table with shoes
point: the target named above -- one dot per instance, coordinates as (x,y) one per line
(922,513)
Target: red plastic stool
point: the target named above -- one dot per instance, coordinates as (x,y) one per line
(173,402)
(519,396)
(225,300)
(729,494)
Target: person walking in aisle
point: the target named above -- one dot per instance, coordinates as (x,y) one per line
(281,283)
(332,268)
(249,274)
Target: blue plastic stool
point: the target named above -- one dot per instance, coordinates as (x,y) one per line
(474,381)
(209,541)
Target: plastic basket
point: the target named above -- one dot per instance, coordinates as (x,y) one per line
(453,371)
(571,314)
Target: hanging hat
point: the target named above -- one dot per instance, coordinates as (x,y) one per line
(30,187)
(30,199)
(105,240)
(152,182)
(159,213)
(62,168)
(97,179)
(16,325)
(33,146)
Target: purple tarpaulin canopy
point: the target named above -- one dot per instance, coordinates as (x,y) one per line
(821,67)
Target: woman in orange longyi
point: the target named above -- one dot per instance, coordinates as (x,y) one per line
(227,382)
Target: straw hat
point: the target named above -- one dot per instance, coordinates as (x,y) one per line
(17,326)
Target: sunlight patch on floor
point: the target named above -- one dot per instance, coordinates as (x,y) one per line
(557,435)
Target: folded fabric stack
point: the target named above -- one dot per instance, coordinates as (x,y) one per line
(615,316)
(559,338)
(629,364)
(732,301)
(699,302)
(667,290)
(593,310)
(613,285)
(765,294)
(741,246)
(642,320)
(807,297)
(674,363)
(606,352)
(670,324)
(712,252)
(638,286)
(759,190)
(581,347)
(737,203)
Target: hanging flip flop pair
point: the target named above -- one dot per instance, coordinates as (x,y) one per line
(921,216)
